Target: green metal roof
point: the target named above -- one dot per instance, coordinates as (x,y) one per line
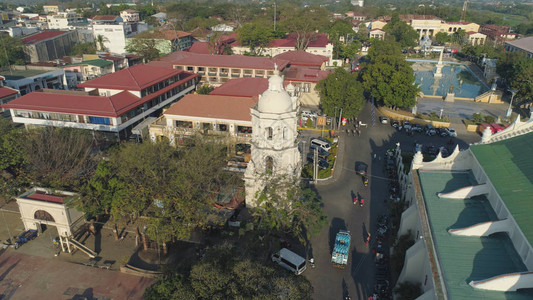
(509,165)
(94,62)
(466,258)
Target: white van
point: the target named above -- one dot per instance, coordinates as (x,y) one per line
(290,261)
(322,144)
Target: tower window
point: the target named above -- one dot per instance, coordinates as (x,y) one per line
(269,132)
(269,164)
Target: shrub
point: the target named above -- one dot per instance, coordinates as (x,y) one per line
(309,123)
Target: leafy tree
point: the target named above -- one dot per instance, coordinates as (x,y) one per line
(284,206)
(388,77)
(12,154)
(407,290)
(145,48)
(83,48)
(11,50)
(442,38)
(205,89)
(255,36)
(340,28)
(225,274)
(460,37)
(304,23)
(517,70)
(399,31)
(363,33)
(341,89)
(100,41)
(350,50)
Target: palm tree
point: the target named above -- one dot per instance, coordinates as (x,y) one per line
(100,40)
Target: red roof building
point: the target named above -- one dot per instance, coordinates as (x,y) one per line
(242,87)
(43,36)
(6,95)
(213,107)
(112,103)
(303,58)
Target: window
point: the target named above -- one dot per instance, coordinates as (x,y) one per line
(222,127)
(99,120)
(184,124)
(270,133)
(269,164)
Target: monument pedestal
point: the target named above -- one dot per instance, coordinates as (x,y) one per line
(450,97)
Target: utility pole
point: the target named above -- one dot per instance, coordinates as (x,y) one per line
(315,165)
(463,13)
(274,16)
(340,116)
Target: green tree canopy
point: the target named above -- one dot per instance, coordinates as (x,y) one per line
(442,38)
(83,48)
(225,274)
(145,48)
(388,77)
(340,28)
(11,50)
(517,70)
(304,23)
(205,89)
(401,32)
(255,36)
(460,37)
(341,89)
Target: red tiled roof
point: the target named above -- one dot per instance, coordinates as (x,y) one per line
(47,198)
(302,58)
(199,48)
(6,91)
(112,106)
(215,107)
(242,87)
(320,40)
(303,74)
(45,35)
(104,18)
(133,78)
(227,61)
(162,34)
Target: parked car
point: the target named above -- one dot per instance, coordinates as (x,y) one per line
(383,120)
(432,150)
(407,125)
(417,128)
(321,152)
(309,114)
(430,130)
(361,168)
(322,163)
(396,124)
(442,132)
(451,132)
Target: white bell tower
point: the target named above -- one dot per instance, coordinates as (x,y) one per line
(274,146)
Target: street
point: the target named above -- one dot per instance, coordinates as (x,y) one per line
(357,278)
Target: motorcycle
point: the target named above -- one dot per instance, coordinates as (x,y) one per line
(355,200)
(362,202)
(365,180)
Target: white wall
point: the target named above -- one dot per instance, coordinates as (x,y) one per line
(115,34)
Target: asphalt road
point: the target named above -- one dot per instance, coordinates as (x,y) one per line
(357,278)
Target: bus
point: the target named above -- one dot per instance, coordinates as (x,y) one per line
(290,261)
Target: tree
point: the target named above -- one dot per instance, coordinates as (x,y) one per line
(517,70)
(460,37)
(340,28)
(341,89)
(350,50)
(11,51)
(388,77)
(255,36)
(225,273)
(401,32)
(284,206)
(363,33)
(101,40)
(83,48)
(204,89)
(407,290)
(442,38)
(145,48)
(304,23)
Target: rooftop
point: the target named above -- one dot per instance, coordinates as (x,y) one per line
(242,87)
(303,74)
(214,107)
(466,258)
(39,37)
(510,170)
(104,18)
(21,74)
(46,197)
(95,62)
(162,34)
(302,58)
(320,40)
(133,78)
(227,61)
(525,44)
(6,91)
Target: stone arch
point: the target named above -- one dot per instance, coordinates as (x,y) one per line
(43,215)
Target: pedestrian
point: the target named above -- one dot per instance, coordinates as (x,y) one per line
(368,239)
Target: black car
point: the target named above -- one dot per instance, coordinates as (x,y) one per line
(361,168)
(417,128)
(322,163)
(442,132)
(321,152)
(396,124)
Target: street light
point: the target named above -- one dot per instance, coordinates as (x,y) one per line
(157,241)
(510,109)
(441,110)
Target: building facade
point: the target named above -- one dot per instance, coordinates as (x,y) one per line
(49,45)
(524,45)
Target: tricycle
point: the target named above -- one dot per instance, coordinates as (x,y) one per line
(25,237)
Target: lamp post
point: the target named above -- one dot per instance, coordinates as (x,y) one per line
(441,110)
(510,109)
(157,241)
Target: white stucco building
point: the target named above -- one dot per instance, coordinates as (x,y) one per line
(274,146)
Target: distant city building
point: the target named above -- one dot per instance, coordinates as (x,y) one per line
(6,94)
(29,78)
(524,45)
(112,104)
(49,45)
(166,41)
(376,33)
(63,20)
(498,33)
(53,8)
(476,38)
(359,3)
(90,69)
(130,15)
(222,28)
(115,32)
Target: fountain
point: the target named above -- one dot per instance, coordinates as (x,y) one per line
(438,71)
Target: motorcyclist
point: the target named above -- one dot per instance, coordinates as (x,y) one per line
(362,202)
(355,199)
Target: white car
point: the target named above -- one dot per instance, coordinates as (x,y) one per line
(451,132)
(383,120)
